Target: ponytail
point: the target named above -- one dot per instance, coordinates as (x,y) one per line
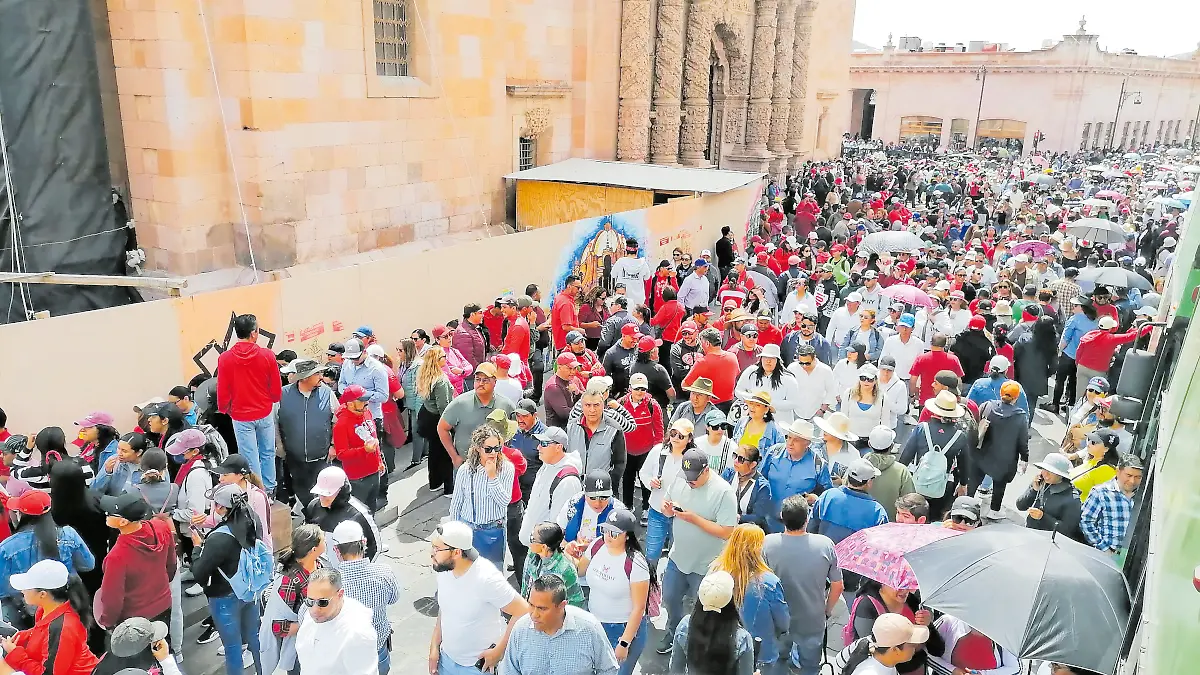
(76,595)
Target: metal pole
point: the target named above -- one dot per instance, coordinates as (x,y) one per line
(1112,133)
(1195,128)
(979,109)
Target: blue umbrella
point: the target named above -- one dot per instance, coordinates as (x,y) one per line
(943,187)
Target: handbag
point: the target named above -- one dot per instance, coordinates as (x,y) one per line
(427,422)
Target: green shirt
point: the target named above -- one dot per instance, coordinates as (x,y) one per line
(465,415)
(536,566)
(693,549)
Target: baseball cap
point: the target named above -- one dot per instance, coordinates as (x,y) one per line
(1056,463)
(978,323)
(348,532)
(353,393)
(552,435)
(135,635)
(188,439)
(907,320)
(619,520)
(639,381)
(597,483)
(509,300)
(870,274)
(32,503)
(688,328)
(575,337)
(374,351)
(1099,383)
(44,575)
(567,359)
(330,481)
(525,407)
(335,349)
(223,494)
(363,332)
(999,362)
(887,363)
(700,262)
(966,507)
(1010,389)
(1106,322)
(94,419)
(129,506)
(694,463)
(487,369)
(893,630)
(854,297)
(455,534)
(354,348)
(234,463)
(793,260)
(628,330)
(646,344)
(715,418)
(502,362)
(861,471)
(881,438)
(439,331)
(716,591)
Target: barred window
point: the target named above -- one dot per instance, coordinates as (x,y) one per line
(526,149)
(391,38)
(1087,132)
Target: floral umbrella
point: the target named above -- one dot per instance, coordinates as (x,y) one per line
(878,552)
(1036,249)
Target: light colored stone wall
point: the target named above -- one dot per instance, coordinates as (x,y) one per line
(330,159)
(1056,91)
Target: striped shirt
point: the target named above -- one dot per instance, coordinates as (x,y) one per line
(1106,516)
(580,647)
(376,587)
(478,499)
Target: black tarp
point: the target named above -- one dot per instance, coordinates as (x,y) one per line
(51,109)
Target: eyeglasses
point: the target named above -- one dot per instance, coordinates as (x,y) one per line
(676,434)
(741,460)
(490,449)
(960,520)
(318,602)
(611,530)
(805,363)
(1094,391)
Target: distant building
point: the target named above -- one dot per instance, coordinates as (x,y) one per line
(1076,95)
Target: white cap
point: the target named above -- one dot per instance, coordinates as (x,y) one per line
(705,252)
(348,532)
(716,591)
(1106,322)
(1000,363)
(330,482)
(44,575)
(854,297)
(881,438)
(861,470)
(354,349)
(1169,242)
(375,350)
(893,630)
(455,534)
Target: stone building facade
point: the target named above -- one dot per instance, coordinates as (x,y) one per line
(752,85)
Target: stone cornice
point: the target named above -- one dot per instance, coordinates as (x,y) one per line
(1023,69)
(539,89)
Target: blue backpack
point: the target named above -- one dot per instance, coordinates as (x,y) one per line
(256,568)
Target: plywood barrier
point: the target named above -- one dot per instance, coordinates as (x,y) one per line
(59,369)
(545,203)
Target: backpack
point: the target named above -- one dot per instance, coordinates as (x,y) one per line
(211,435)
(933,471)
(848,629)
(653,599)
(562,474)
(255,570)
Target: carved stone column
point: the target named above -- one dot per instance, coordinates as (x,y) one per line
(633,105)
(738,88)
(762,69)
(799,97)
(668,76)
(782,91)
(696,71)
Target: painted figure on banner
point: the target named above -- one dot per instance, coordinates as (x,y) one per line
(597,244)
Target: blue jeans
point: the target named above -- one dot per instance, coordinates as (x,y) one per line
(614,631)
(449,667)
(806,653)
(676,586)
(237,624)
(658,534)
(256,442)
(385,660)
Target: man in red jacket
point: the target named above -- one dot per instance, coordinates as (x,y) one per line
(139,568)
(1095,352)
(248,385)
(356,444)
(717,365)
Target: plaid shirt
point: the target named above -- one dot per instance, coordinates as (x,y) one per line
(1064,291)
(292,589)
(376,587)
(1106,516)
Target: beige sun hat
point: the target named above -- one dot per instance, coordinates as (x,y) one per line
(836,425)
(945,404)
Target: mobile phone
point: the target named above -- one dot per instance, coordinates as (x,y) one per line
(479,663)
(677,508)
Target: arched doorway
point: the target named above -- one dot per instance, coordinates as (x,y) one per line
(716,106)
(1000,134)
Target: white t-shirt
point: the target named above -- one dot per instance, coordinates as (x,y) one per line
(344,644)
(634,273)
(511,389)
(470,610)
(873,667)
(611,599)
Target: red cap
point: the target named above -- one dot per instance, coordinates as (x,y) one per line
(729,304)
(837,248)
(688,327)
(647,344)
(794,260)
(353,393)
(763,257)
(568,359)
(502,362)
(628,330)
(760,249)
(846,216)
(977,323)
(756,239)
(439,332)
(32,503)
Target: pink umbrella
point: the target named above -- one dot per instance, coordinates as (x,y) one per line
(1039,160)
(878,552)
(1110,194)
(908,294)
(1036,249)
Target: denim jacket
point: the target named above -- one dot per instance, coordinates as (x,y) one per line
(20,551)
(766,615)
(771,436)
(124,477)
(762,510)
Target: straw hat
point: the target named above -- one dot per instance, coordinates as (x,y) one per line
(762,398)
(702,385)
(945,404)
(801,428)
(836,425)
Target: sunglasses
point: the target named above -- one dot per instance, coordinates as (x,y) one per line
(491,449)
(960,520)
(865,378)
(741,459)
(318,602)
(676,434)
(805,363)
(1094,391)
(639,389)
(611,530)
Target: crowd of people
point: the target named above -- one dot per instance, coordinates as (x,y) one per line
(689,437)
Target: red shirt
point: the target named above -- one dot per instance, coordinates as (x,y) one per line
(350,447)
(926,367)
(249,382)
(517,341)
(722,368)
(69,656)
(648,415)
(771,335)
(494,323)
(562,314)
(971,406)
(1096,347)
(669,318)
(1109,310)
(520,464)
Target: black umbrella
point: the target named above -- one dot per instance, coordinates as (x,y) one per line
(1040,595)
(1118,277)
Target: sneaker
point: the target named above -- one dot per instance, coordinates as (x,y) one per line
(193,590)
(209,634)
(645,519)
(187,576)
(247,657)
(664,645)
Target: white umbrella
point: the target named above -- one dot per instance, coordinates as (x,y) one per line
(1097,167)
(1113,173)
(1099,203)
(1168,202)
(1155,185)
(1097,229)
(1177,152)
(1132,155)
(1190,168)
(1185,197)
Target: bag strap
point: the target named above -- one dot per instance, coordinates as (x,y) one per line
(928,438)
(596,547)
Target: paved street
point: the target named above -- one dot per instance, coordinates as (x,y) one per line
(407,542)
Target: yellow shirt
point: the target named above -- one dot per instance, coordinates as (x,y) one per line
(1086,477)
(749,438)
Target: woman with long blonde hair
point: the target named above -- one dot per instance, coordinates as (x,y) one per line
(436,392)
(757,592)
(483,489)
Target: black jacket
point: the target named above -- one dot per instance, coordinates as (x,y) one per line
(1060,507)
(1005,440)
(1032,368)
(343,508)
(973,350)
